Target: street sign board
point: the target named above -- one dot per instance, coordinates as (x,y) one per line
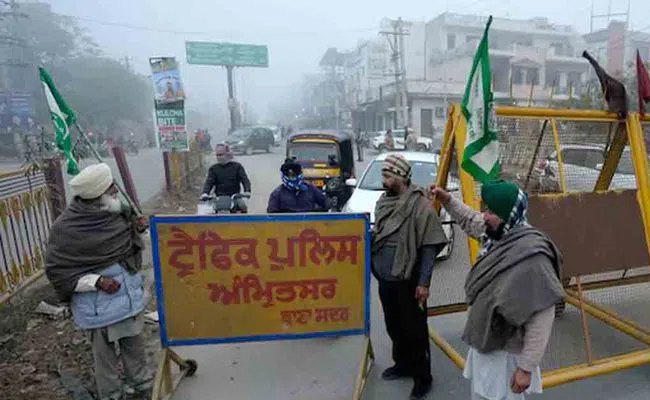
(227,54)
(243,278)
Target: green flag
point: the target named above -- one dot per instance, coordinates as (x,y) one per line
(481,153)
(62,117)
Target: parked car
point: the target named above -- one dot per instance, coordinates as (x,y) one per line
(370,187)
(582,166)
(277,135)
(424,144)
(247,140)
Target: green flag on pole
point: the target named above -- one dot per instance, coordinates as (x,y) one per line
(62,117)
(481,153)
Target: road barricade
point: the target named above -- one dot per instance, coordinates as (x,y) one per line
(244,278)
(586,172)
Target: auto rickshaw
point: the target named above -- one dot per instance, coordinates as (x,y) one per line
(327,161)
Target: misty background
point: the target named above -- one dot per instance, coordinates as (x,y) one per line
(122,35)
(296,32)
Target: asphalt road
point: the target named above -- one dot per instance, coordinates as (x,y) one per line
(146,169)
(325,369)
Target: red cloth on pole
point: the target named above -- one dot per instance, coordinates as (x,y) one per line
(643,83)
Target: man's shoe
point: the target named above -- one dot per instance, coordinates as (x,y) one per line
(420,389)
(394,372)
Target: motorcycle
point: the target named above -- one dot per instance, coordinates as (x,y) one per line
(333,191)
(132,148)
(212,205)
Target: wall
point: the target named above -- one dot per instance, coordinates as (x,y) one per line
(454,70)
(439,115)
(616,48)
(415,51)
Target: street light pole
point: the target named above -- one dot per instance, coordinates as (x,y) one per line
(231,99)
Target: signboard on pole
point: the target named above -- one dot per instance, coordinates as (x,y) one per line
(171,128)
(16,110)
(227,54)
(243,278)
(166,79)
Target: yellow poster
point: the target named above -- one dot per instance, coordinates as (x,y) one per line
(243,278)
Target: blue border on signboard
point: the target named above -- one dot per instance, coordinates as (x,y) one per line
(160,295)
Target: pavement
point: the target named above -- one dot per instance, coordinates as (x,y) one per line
(325,369)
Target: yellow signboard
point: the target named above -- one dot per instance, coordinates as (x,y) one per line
(242,278)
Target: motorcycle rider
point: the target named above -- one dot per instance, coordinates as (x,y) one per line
(295,195)
(227,177)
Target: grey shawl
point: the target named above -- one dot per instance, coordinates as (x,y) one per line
(86,239)
(410,221)
(517,278)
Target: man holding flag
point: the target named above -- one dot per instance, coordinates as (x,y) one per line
(94,261)
(514,285)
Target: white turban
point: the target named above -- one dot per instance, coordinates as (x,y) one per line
(92,182)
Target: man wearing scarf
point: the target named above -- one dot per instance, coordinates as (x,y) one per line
(93,260)
(295,195)
(512,291)
(406,238)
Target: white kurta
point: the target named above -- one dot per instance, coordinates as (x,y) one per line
(491,376)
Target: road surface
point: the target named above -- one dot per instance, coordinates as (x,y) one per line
(146,170)
(325,369)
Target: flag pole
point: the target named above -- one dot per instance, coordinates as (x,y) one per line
(99,158)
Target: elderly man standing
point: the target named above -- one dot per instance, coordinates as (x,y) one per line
(406,238)
(512,291)
(93,260)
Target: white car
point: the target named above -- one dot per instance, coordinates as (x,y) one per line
(582,165)
(277,136)
(424,143)
(370,187)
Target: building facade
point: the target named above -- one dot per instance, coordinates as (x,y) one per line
(534,62)
(615,47)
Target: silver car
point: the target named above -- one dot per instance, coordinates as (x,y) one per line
(582,166)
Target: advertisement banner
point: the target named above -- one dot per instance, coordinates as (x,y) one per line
(166,79)
(170,126)
(244,278)
(16,110)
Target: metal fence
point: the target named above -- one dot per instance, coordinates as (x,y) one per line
(596,207)
(25,221)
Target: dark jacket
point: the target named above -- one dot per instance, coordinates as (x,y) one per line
(226,179)
(283,200)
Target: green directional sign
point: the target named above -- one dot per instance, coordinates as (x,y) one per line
(228,54)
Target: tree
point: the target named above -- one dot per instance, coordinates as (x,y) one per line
(103,92)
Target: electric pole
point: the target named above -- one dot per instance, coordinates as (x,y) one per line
(609,15)
(232,104)
(402,52)
(395,40)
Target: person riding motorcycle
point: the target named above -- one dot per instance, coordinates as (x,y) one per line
(227,177)
(295,195)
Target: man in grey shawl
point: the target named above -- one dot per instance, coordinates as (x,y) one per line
(512,291)
(93,260)
(406,238)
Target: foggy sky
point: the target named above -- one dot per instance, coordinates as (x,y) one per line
(297,32)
